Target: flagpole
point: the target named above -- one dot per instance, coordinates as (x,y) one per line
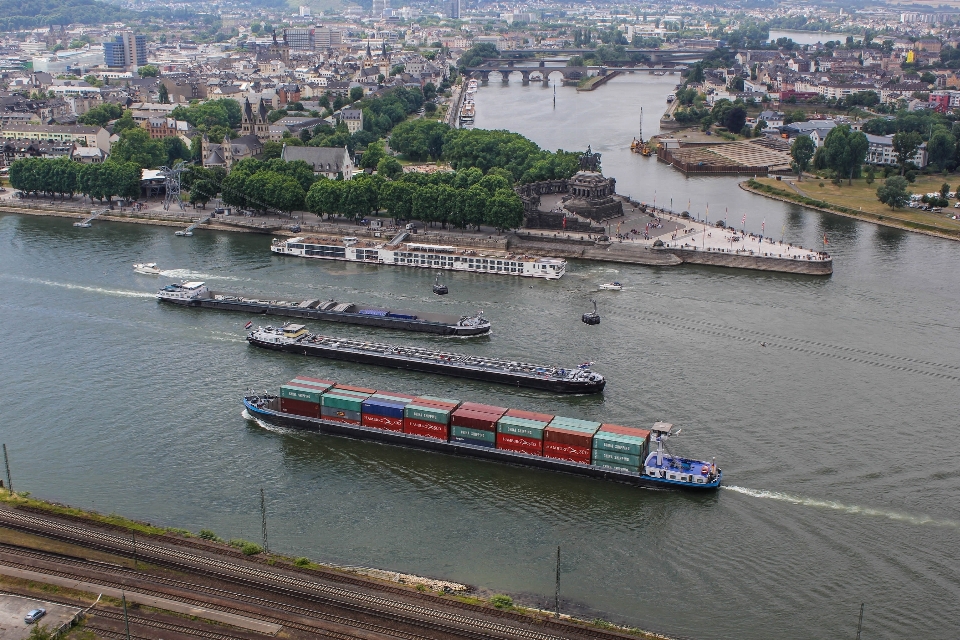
(706,217)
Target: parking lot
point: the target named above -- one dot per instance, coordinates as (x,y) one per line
(14,608)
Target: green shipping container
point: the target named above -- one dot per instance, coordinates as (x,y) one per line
(292,392)
(350,394)
(615,466)
(628,459)
(521,427)
(473,434)
(619,442)
(427,414)
(587,426)
(337,401)
(297,382)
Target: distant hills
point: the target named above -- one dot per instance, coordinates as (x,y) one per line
(30,14)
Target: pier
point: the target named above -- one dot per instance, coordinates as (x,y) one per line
(189,230)
(93,216)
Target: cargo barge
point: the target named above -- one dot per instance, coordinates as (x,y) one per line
(582,447)
(429,256)
(294,338)
(196,294)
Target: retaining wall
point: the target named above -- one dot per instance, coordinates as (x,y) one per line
(757,263)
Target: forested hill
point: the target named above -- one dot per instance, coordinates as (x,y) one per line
(30,14)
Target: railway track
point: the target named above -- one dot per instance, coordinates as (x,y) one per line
(157,624)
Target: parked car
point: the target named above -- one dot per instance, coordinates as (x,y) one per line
(34,615)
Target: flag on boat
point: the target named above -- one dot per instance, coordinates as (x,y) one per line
(248,325)
(825,239)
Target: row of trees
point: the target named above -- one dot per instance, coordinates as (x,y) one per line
(523,160)
(262,185)
(64,177)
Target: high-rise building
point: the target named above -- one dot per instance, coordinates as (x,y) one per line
(303,38)
(379,6)
(327,38)
(127,50)
(453,9)
(304,11)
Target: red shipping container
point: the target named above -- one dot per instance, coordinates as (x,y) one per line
(382,422)
(474,420)
(449,406)
(396,395)
(567,452)
(520,444)
(347,387)
(483,408)
(423,428)
(529,415)
(570,437)
(626,431)
(300,407)
(339,419)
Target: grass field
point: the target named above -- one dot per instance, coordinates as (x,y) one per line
(860,200)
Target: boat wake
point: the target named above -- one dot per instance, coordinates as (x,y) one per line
(80,287)
(265,425)
(186,274)
(851,509)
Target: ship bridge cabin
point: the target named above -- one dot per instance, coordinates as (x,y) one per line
(294,331)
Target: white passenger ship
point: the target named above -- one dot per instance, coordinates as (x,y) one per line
(430,256)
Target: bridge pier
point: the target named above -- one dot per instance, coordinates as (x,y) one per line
(484,77)
(526,77)
(505,77)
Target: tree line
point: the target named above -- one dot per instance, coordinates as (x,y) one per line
(65,177)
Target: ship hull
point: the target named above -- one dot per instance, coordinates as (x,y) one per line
(399,362)
(403,324)
(442,446)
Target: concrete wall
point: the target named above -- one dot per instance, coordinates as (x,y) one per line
(758,263)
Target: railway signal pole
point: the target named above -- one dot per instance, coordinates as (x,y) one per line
(556,601)
(126,620)
(860,623)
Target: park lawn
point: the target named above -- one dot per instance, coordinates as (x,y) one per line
(863,196)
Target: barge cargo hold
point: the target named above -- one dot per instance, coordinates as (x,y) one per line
(294,338)
(196,294)
(656,469)
(428,256)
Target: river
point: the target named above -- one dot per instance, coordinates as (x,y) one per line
(836,438)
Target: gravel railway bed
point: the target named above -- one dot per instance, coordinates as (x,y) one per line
(401,616)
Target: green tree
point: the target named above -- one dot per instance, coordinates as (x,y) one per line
(397,198)
(125,122)
(100,116)
(905,145)
(893,192)
(175,149)
(356,93)
(801,151)
(941,148)
(504,210)
(148,71)
(372,156)
(201,192)
(389,167)
(324,197)
(271,149)
(163,95)
(136,146)
(429,91)
(845,151)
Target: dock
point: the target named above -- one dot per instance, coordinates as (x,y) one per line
(189,230)
(93,216)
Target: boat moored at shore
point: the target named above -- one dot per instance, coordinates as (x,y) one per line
(197,294)
(294,338)
(429,256)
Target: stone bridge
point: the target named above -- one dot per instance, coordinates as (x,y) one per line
(540,72)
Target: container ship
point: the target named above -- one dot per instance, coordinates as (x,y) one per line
(584,447)
(428,256)
(294,338)
(196,294)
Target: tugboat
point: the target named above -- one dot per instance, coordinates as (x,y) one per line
(591,317)
(440,289)
(294,338)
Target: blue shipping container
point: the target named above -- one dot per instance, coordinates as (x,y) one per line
(383,408)
(478,443)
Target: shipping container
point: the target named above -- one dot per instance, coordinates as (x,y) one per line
(422,428)
(579,436)
(617,457)
(508,442)
(474,420)
(476,443)
(382,408)
(529,415)
(626,431)
(622,439)
(300,393)
(483,408)
(574,423)
(346,387)
(521,427)
(614,466)
(340,415)
(300,407)
(429,414)
(559,450)
(339,401)
(473,434)
(393,397)
(381,422)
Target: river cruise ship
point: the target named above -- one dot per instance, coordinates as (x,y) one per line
(429,256)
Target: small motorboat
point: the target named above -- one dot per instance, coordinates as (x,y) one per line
(440,289)
(85,225)
(591,317)
(183,234)
(612,286)
(147,268)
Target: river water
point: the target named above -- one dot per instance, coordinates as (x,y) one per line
(837,438)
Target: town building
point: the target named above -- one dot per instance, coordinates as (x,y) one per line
(329,162)
(880,152)
(127,50)
(80,134)
(353,119)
